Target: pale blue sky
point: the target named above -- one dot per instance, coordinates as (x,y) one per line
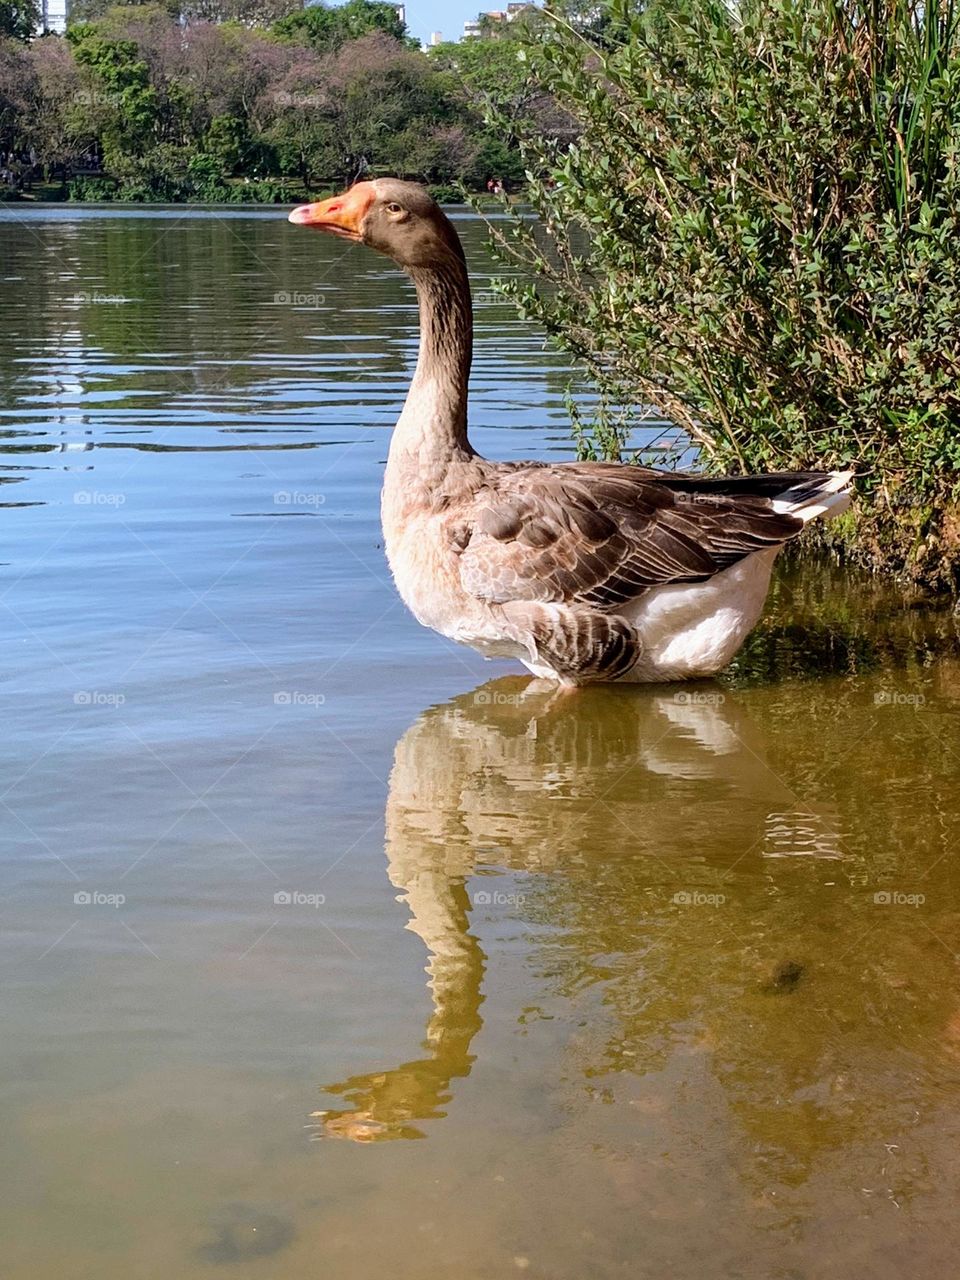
(448,16)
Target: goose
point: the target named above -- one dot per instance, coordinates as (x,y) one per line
(584,571)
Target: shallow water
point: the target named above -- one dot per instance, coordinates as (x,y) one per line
(329,949)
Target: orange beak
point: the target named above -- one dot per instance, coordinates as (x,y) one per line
(342,215)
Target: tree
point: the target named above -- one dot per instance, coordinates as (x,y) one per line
(383,101)
(591,18)
(19,19)
(490,72)
(17,88)
(60,117)
(81,11)
(121,85)
(173,110)
(292,118)
(494,80)
(326,30)
(249,13)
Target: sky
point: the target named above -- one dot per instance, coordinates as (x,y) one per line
(448,16)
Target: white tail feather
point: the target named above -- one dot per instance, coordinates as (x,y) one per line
(828,497)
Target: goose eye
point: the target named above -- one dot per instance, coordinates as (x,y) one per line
(393,207)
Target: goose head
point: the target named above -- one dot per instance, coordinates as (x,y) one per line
(399,219)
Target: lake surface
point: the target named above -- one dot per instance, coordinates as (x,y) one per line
(329,949)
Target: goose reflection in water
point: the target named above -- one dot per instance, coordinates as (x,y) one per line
(514,777)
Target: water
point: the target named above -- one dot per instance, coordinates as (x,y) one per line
(329,949)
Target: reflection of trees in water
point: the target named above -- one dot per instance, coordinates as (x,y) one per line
(217,286)
(129,289)
(808,1002)
(212,305)
(822,617)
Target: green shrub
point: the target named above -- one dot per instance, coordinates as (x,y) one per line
(757,231)
(97,190)
(204,181)
(175,175)
(446,193)
(264,191)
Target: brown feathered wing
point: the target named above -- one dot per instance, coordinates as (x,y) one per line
(594,536)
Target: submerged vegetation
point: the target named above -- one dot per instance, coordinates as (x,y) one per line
(757,233)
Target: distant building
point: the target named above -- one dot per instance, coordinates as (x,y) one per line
(436,37)
(472,30)
(53,15)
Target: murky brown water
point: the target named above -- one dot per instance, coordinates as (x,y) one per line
(325,954)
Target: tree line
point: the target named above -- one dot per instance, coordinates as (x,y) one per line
(249,100)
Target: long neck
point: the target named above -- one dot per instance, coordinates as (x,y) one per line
(433,425)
